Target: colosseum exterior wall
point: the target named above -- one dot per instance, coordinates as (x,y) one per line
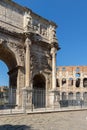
(72,81)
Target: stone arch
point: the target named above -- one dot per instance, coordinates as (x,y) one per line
(64,96)
(8,57)
(70,95)
(85,96)
(39,81)
(18,50)
(70,82)
(77,70)
(57,82)
(63,81)
(78,96)
(78,82)
(39,88)
(70,99)
(85,82)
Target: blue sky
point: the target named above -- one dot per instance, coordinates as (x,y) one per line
(71,18)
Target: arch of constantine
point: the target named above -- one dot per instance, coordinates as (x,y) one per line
(28,46)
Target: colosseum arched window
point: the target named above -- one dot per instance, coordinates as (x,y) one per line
(70,96)
(57,83)
(77,75)
(63,69)
(70,82)
(78,82)
(63,81)
(85,96)
(78,96)
(77,70)
(64,97)
(85,82)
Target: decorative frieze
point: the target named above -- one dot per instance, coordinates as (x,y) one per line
(38,26)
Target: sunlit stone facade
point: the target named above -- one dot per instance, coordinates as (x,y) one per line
(28,46)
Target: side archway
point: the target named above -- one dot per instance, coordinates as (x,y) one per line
(39,88)
(39,82)
(8,57)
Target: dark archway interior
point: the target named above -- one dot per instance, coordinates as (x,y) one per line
(39,96)
(39,82)
(78,82)
(85,82)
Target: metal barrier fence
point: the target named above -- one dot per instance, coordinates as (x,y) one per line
(37,99)
(53,100)
(7,98)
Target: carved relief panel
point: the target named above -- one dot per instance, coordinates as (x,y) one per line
(40,58)
(39,26)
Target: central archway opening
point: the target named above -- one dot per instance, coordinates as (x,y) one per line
(39,94)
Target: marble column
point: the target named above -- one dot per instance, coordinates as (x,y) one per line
(53,53)
(27,62)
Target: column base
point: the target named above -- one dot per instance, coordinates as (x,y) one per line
(54,99)
(27,98)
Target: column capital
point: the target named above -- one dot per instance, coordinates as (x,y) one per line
(27,42)
(53,50)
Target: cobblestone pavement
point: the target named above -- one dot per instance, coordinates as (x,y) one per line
(75,120)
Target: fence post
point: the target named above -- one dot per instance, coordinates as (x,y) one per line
(11,100)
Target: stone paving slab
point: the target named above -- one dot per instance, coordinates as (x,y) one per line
(74,120)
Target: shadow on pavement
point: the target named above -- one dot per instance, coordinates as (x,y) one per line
(15,127)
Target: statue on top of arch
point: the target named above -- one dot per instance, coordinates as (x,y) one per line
(27,22)
(52,32)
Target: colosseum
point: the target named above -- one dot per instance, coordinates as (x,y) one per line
(72,83)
